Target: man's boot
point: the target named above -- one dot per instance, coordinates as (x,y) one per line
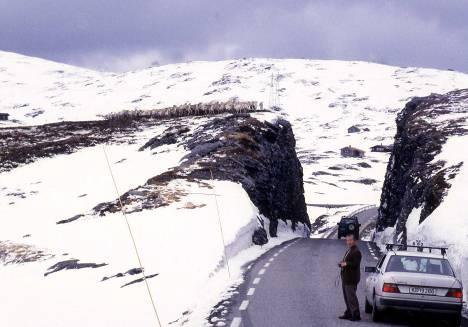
(345,315)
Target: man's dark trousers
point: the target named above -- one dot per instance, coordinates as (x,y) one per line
(350,277)
(351,300)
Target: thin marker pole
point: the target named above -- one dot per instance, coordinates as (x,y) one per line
(226,261)
(133,239)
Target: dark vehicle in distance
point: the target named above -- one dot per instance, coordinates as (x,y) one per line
(348,225)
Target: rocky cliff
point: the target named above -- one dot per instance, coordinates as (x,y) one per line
(419,176)
(260,155)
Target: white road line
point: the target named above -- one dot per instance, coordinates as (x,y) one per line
(275,255)
(256,281)
(251,291)
(271,259)
(244,305)
(262,271)
(236,322)
(267,265)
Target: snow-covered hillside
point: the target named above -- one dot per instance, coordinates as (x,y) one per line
(321,99)
(66,255)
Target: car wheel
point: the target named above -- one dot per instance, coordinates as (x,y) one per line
(376,313)
(367,307)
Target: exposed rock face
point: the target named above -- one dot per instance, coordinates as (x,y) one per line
(24,145)
(17,253)
(170,136)
(414,179)
(72,264)
(259,155)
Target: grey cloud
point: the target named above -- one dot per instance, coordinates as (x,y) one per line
(122,34)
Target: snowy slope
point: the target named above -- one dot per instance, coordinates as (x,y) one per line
(180,243)
(320,98)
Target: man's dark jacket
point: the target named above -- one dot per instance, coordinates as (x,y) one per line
(351,274)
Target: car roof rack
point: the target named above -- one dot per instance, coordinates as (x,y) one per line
(419,248)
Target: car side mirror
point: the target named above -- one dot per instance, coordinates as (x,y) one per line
(370,269)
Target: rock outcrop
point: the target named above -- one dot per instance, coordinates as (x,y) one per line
(24,145)
(260,155)
(415,178)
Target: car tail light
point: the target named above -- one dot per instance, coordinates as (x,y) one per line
(455,292)
(390,288)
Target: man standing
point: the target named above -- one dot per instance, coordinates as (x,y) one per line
(350,277)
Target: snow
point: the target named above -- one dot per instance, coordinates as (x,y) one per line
(184,246)
(321,98)
(447,225)
(181,242)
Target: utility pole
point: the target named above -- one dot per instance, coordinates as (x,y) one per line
(274,100)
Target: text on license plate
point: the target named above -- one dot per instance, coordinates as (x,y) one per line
(422,290)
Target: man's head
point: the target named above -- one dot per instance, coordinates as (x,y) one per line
(351,240)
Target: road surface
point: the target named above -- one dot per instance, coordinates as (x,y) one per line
(296,284)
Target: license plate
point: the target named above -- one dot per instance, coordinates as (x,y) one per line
(422,290)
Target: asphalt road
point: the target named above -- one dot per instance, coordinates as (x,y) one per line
(297,284)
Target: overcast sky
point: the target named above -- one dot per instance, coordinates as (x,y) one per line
(120,35)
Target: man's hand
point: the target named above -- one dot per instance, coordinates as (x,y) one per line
(342,264)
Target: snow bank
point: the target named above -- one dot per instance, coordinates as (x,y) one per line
(447,225)
(181,242)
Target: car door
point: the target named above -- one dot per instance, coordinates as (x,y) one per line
(376,276)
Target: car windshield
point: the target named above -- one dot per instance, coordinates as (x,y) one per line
(435,266)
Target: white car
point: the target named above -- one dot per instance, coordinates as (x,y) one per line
(413,280)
